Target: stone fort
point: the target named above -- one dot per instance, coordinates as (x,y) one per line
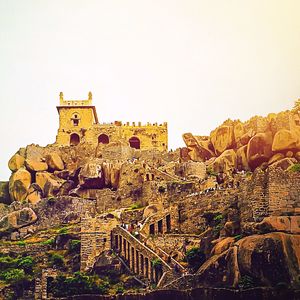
(78,123)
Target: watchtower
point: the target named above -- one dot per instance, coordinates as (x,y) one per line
(75,118)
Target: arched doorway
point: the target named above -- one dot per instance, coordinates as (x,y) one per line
(103,139)
(74,139)
(134,142)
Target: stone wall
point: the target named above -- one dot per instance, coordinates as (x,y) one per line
(273,192)
(95,238)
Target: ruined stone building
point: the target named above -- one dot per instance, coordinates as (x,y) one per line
(78,122)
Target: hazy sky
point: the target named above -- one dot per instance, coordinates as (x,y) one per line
(191,63)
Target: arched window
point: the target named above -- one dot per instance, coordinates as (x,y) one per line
(75,119)
(103,139)
(134,142)
(74,139)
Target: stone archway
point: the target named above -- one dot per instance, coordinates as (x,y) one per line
(135,143)
(74,139)
(103,139)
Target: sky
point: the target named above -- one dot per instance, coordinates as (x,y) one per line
(191,63)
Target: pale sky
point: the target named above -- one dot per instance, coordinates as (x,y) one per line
(191,63)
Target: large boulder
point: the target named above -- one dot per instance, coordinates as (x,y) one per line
(226,162)
(17,219)
(238,131)
(276,157)
(54,161)
(35,165)
(91,176)
(35,194)
(111,173)
(193,147)
(48,183)
(19,183)
(288,224)
(285,140)
(222,245)
(259,149)
(271,258)
(241,158)
(222,138)
(16,162)
(284,164)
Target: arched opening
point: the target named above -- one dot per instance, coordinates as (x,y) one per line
(134,142)
(74,139)
(103,139)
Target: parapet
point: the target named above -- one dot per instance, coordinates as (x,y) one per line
(63,102)
(139,124)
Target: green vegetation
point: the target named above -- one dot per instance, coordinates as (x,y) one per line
(135,206)
(49,242)
(238,237)
(195,258)
(294,168)
(77,285)
(18,272)
(74,246)
(21,243)
(55,260)
(63,230)
(218,218)
(210,172)
(156,263)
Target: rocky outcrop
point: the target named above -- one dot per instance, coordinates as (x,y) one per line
(48,183)
(257,141)
(285,140)
(35,165)
(19,183)
(16,162)
(17,219)
(226,162)
(91,176)
(4,192)
(222,139)
(54,161)
(259,149)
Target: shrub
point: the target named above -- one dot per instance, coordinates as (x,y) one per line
(56,260)
(156,263)
(238,237)
(120,289)
(26,263)
(13,276)
(49,242)
(77,285)
(294,168)
(135,206)
(218,218)
(210,172)
(21,243)
(194,257)
(63,230)
(75,246)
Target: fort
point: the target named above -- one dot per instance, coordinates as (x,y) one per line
(78,122)
(107,209)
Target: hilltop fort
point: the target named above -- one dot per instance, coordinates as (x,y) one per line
(107,210)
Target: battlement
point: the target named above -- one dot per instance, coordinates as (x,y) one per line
(63,102)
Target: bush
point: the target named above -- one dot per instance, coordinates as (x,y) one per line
(49,242)
(63,230)
(294,168)
(74,246)
(77,285)
(156,263)
(135,206)
(13,276)
(195,258)
(21,243)
(26,263)
(56,260)
(120,289)
(210,172)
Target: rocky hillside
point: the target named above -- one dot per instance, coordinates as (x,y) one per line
(260,141)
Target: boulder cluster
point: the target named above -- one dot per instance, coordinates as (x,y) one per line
(245,146)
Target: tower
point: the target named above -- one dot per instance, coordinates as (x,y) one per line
(75,118)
